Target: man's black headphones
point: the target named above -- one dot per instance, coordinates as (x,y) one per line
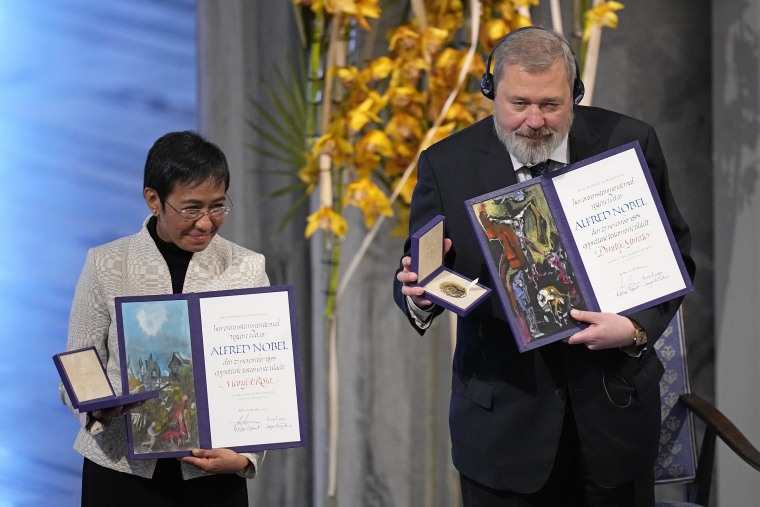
(487,84)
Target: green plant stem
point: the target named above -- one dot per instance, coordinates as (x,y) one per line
(315,75)
(332,279)
(335,249)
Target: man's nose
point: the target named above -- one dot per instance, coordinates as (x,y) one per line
(534,117)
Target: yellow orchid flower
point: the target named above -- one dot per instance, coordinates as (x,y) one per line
(360,116)
(446,14)
(368,197)
(408,189)
(413,69)
(309,174)
(357,9)
(366,163)
(370,149)
(403,155)
(347,74)
(380,68)
(440,133)
(448,64)
(458,113)
(496,29)
(405,41)
(505,9)
(432,40)
(334,145)
(603,14)
(403,127)
(327,220)
(520,21)
(375,141)
(524,4)
(405,97)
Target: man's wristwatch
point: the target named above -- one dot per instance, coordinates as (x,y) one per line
(639,336)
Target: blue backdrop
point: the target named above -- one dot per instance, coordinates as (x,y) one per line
(86,86)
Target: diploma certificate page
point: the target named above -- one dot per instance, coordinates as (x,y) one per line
(249,361)
(619,233)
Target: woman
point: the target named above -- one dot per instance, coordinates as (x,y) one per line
(177,250)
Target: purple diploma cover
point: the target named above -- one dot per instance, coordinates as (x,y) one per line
(225,365)
(591,236)
(442,285)
(87,385)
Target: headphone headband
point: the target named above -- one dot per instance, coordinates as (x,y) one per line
(487,85)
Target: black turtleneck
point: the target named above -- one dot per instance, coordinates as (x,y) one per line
(176,258)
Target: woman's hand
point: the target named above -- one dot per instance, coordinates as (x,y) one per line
(105,416)
(217,461)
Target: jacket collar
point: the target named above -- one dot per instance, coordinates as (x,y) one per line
(493,163)
(583,139)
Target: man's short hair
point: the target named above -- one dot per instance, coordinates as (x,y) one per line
(535,49)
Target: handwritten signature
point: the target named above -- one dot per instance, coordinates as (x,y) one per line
(654,277)
(245,424)
(277,422)
(629,284)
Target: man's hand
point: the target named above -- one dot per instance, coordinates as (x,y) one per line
(217,461)
(408,277)
(606,330)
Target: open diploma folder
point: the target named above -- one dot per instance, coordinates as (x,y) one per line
(442,285)
(592,236)
(226,366)
(86,383)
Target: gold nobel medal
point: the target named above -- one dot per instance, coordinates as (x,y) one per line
(453,289)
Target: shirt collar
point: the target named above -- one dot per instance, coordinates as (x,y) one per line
(558,155)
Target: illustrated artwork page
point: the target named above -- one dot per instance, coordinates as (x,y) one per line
(533,269)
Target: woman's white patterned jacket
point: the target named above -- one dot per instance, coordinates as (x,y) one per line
(133,266)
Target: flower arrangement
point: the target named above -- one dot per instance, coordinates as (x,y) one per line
(376,115)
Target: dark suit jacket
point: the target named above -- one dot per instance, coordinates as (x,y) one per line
(507,407)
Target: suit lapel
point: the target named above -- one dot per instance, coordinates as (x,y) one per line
(494,167)
(583,139)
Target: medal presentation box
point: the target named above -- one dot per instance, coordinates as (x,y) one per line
(87,384)
(442,285)
(592,235)
(226,365)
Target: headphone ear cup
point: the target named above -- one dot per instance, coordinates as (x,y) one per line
(579,90)
(486,85)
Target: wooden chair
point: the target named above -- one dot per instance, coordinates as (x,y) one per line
(677,461)
(716,425)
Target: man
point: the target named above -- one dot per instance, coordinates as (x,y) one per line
(574,422)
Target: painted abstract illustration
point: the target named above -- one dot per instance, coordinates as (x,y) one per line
(158,349)
(530,261)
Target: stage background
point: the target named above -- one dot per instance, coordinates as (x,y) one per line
(85,88)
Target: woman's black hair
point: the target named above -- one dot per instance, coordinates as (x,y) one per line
(184,158)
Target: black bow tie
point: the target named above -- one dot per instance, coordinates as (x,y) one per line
(539,169)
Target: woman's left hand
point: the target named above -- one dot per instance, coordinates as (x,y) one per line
(217,461)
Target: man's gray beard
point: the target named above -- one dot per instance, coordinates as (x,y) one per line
(527,152)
